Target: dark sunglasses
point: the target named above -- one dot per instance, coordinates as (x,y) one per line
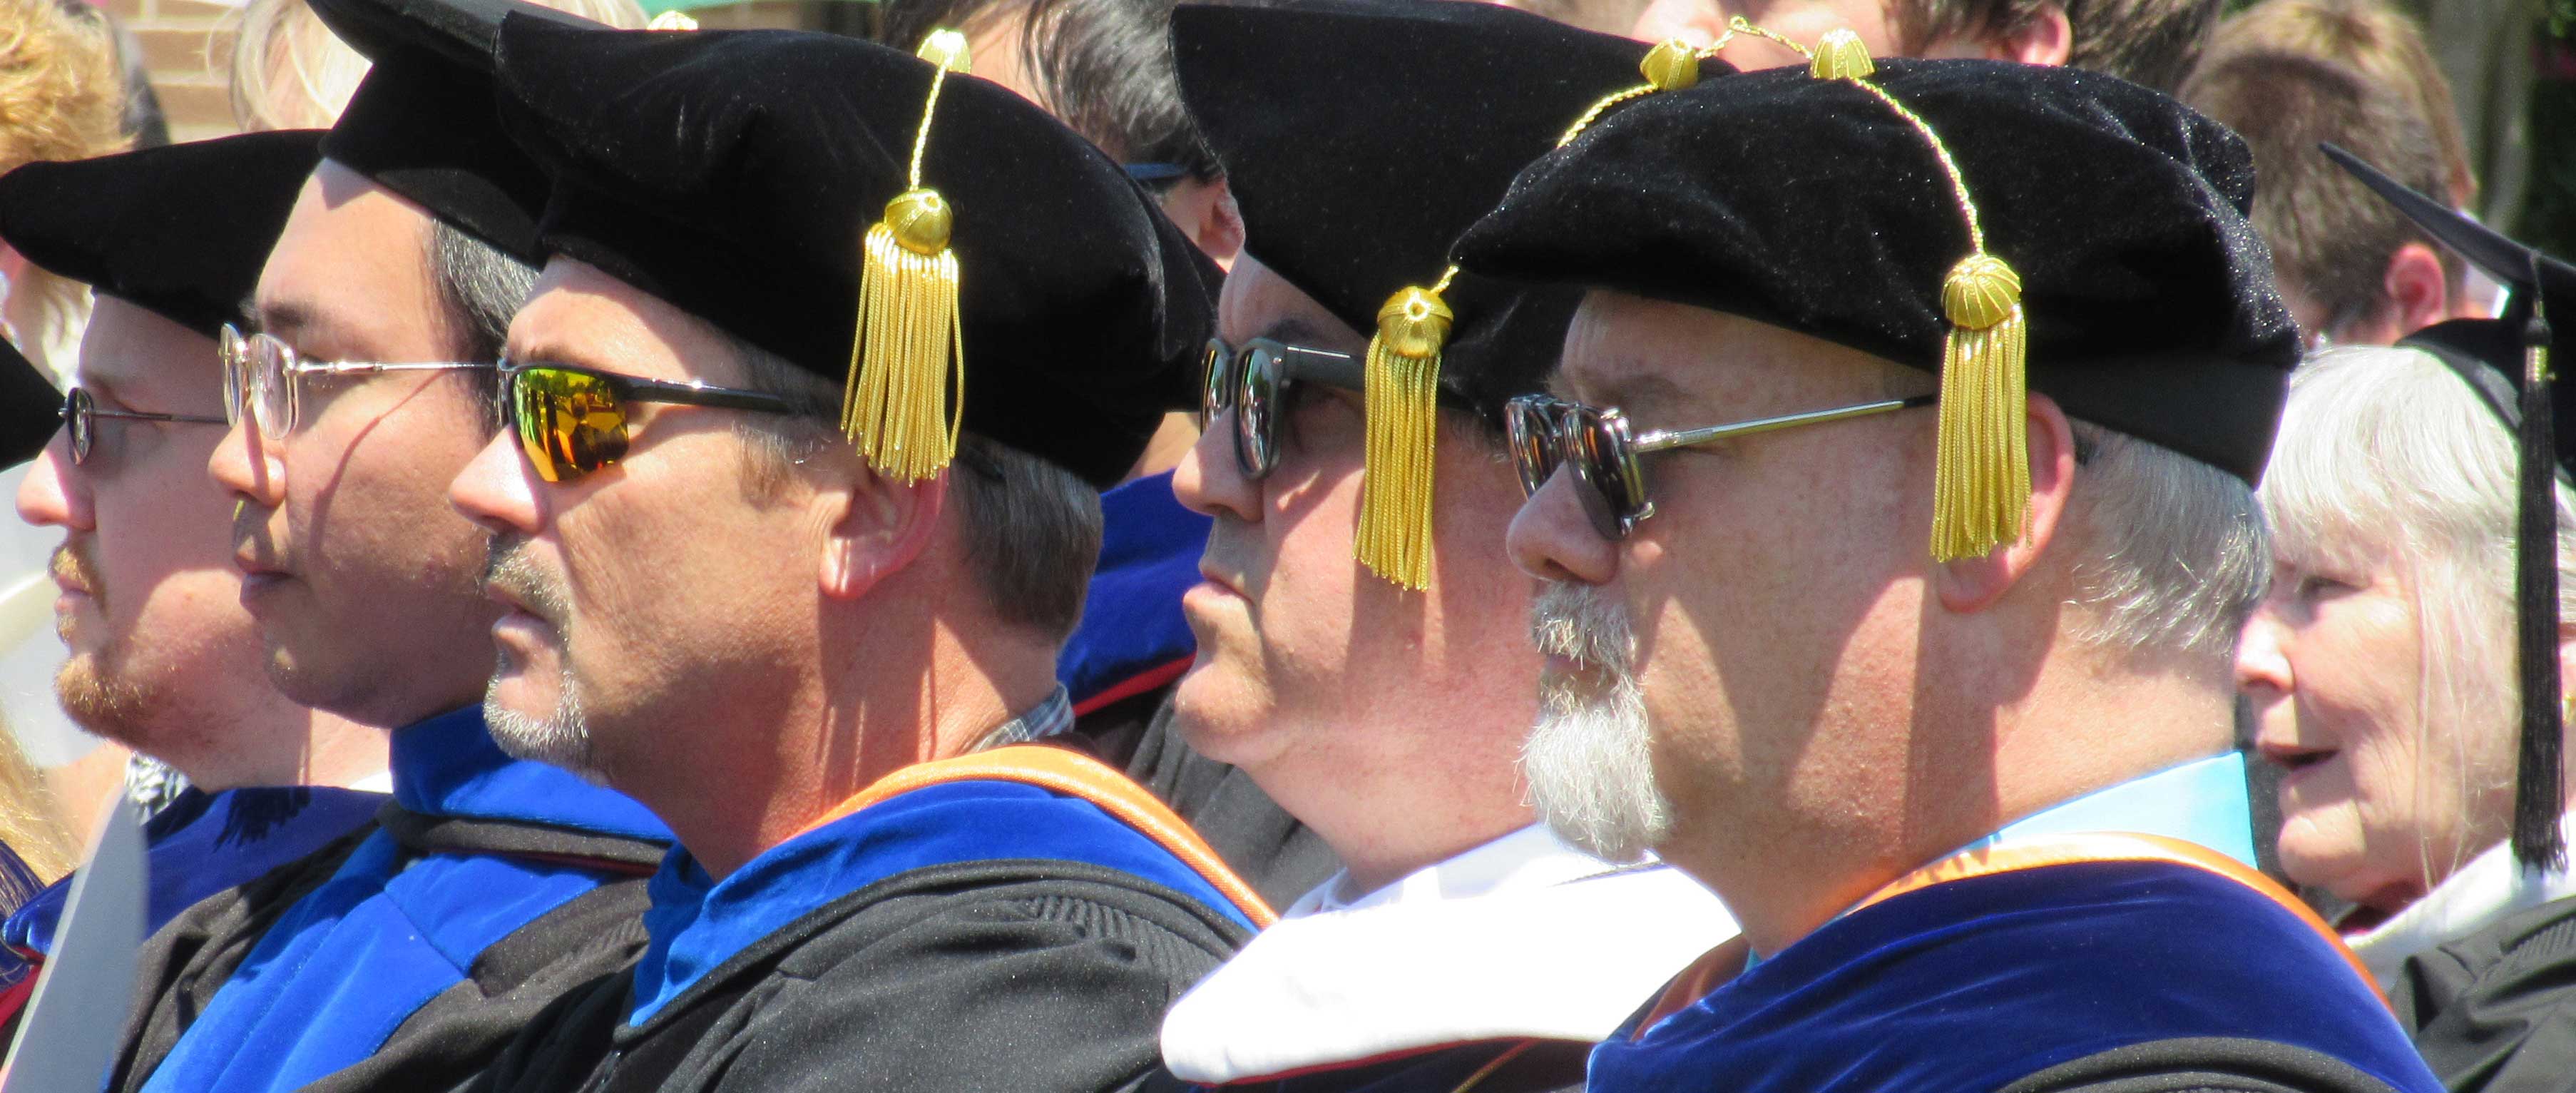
(572,421)
(81,412)
(1251,381)
(1602,448)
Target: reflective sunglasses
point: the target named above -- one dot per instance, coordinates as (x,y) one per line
(261,374)
(1251,382)
(1602,448)
(81,412)
(572,421)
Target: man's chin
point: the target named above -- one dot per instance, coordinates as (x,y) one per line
(98,697)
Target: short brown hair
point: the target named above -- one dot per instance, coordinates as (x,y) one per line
(2375,39)
(2150,42)
(2331,237)
(1032,528)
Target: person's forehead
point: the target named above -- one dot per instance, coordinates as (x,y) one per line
(1257,302)
(1624,350)
(129,348)
(351,258)
(580,315)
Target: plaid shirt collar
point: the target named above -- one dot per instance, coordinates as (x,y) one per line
(1048,718)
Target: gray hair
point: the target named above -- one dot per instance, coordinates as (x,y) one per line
(480,287)
(2173,554)
(1032,528)
(2388,460)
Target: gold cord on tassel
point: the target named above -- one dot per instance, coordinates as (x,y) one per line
(1671,66)
(1981,463)
(1402,398)
(895,408)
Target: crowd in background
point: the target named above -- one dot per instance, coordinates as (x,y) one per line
(2377,701)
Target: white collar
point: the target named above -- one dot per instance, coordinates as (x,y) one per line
(2482,893)
(1532,857)
(1523,937)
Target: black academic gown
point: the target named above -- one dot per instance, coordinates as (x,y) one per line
(2495,1012)
(977,934)
(553,866)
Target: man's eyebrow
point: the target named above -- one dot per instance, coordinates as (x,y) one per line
(555,352)
(1626,389)
(1292,330)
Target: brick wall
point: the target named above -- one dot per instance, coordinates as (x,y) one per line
(188,45)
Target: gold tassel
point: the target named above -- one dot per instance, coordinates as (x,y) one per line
(672,20)
(1981,475)
(895,408)
(1840,55)
(1402,398)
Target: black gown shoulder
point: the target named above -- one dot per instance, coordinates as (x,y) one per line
(456,1034)
(2495,1012)
(1026,976)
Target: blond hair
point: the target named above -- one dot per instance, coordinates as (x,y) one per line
(62,96)
(290,72)
(31,824)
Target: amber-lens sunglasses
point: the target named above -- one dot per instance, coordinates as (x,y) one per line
(572,421)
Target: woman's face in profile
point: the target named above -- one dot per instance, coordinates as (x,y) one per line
(2383,792)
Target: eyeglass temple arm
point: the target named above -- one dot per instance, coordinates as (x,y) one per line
(138,415)
(1325,367)
(1660,440)
(689,394)
(340,368)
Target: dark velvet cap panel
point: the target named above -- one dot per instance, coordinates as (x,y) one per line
(422,122)
(1810,205)
(180,230)
(30,408)
(1361,137)
(735,173)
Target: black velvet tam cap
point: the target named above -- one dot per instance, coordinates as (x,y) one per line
(735,174)
(1809,204)
(422,122)
(181,230)
(2517,364)
(30,408)
(1361,137)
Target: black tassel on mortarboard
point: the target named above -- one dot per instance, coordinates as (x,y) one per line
(2538,797)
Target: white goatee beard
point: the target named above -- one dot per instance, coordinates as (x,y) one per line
(1590,761)
(560,739)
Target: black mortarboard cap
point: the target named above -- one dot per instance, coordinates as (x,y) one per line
(180,230)
(734,174)
(1408,121)
(422,122)
(30,407)
(2509,362)
(1812,205)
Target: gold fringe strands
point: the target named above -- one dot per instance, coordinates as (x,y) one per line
(895,407)
(1981,464)
(1981,475)
(1402,395)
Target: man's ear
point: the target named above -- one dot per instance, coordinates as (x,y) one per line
(1973,584)
(2048,38)
(1207,214)
(873,527)
(2417,288)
